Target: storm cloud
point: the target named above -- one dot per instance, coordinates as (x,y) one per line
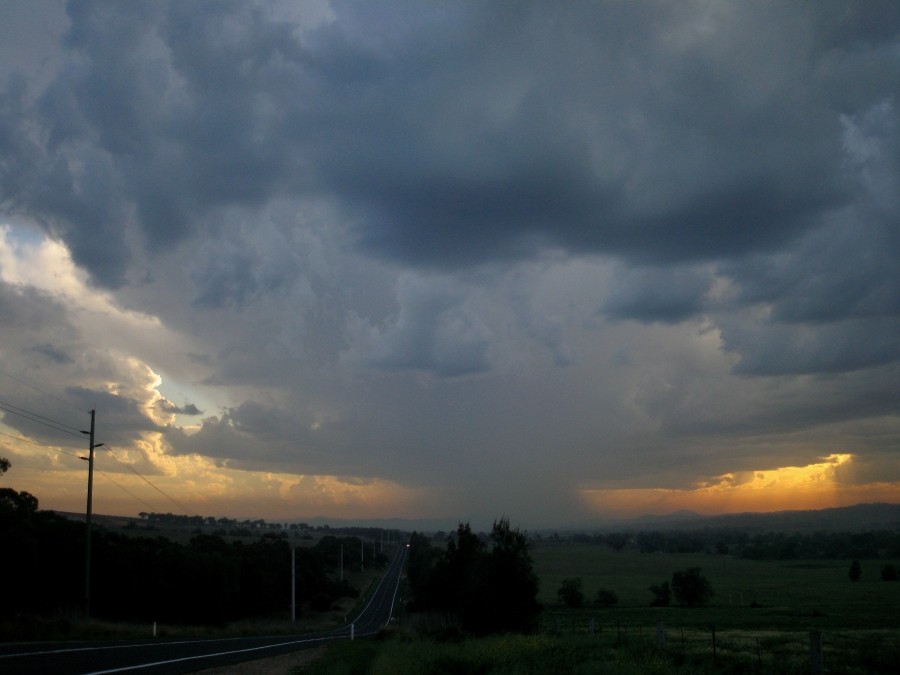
(463,246)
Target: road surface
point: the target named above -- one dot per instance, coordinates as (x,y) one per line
(168,657)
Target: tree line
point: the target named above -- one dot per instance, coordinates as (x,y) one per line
(744,544)
(209,580)
(229,525)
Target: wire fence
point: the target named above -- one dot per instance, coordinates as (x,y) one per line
(766,651)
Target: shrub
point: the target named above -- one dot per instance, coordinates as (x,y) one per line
(606,598)
(662,594)
(570,593)
(691,588)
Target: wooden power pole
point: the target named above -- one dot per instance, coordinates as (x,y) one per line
(87,518)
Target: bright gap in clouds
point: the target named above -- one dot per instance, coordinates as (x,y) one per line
(56,474)
(815,486)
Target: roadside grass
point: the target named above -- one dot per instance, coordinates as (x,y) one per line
(781,653)
(32,628)
(762,616)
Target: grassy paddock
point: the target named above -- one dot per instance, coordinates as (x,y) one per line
(763,613)
(763,595)
(736,652)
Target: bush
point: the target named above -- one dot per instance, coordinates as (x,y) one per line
(606,598)
(662,595)
(691,588)
(889,573)
(570,593)
(855,571)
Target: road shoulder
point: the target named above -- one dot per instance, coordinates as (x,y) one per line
(272,666)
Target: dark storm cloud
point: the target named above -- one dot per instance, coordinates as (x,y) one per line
(53,353)
(119,411)
(405,239)
(259,436)
(668,295)
(454,135)
(433,333)
(187,409)
(649,154)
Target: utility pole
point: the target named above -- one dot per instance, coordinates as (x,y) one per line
(87,519)
(293,584)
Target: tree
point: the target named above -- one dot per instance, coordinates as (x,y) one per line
(4,465)
(513,582)
(570,593)
(691,588)
(855,571)
(662,594)
(889,573)
(606,598)
(17,504)
(491,591)
(618,540)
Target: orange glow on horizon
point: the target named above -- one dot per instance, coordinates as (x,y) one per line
(196,485)
(815,486)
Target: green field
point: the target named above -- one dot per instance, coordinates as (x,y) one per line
(762,616)
(772,595)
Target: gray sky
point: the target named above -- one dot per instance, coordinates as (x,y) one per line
(559,261)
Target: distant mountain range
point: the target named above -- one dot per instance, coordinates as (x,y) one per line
(860,517)
(878,516)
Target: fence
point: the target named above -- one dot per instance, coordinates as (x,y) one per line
(808,651)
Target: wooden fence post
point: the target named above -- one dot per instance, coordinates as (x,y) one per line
(661,636)
(815,652)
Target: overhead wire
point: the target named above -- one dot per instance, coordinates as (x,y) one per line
(40,419)
(41,445)
(150,483)
(39,390)
(75,431)
(124,489)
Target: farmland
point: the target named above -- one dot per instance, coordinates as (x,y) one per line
(759,620)
(771,595)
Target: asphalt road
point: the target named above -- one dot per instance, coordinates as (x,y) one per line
(187,656)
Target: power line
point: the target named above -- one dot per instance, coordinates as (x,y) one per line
(75,431)
(40,419)
(131,468)
(40,445)
(124,489)
(72,454)
(147,480)
(38,389)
